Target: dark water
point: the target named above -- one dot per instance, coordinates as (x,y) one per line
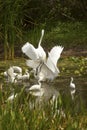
(60,86)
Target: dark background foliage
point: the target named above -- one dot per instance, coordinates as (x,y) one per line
(19,17)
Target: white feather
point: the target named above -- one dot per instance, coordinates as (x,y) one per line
(51,64)
(55,53)
(49,69)
(33,63)
(17,69)
(30,51)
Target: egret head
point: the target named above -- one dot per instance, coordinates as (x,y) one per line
(42,32)
(71,78)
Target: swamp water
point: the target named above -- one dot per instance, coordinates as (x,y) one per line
(59,88)
(74,99)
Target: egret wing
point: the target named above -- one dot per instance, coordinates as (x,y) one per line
(30,51)
(33,63)
(51,65)
(55,53)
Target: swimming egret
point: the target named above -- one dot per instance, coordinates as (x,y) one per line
(14,69)
(35,87)
(35,53)
(11,75)
(17,69)
(72,85)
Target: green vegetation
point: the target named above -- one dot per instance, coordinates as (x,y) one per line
(69,34)
(22,21)
(68,65)
(18,115)
(67,114)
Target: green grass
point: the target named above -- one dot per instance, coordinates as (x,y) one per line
(18,115)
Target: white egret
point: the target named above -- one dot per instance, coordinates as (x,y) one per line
(17,69)
(49,69)
(44,68)
(11,75)
(14,74)
(35,87)
(72,85)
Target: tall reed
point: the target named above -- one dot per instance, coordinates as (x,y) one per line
(11,21)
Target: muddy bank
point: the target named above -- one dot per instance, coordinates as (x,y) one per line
(74,53)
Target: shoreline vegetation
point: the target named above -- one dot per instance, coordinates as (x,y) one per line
(73,36)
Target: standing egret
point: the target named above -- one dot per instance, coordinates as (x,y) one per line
(72,85)
(12,73)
